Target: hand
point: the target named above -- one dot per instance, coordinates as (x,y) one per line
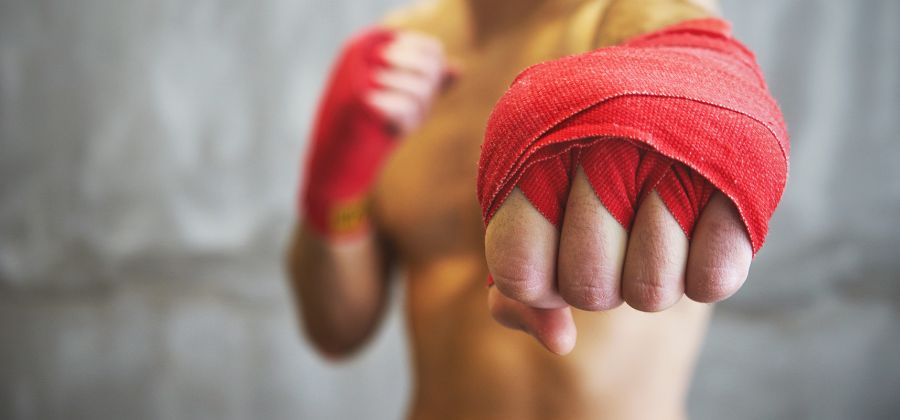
(381,88)
(668,144)
(415,71)
(594,264)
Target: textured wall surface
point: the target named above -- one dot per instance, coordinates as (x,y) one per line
(149,153)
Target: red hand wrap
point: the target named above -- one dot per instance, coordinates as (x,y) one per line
(684,111)
(350,140)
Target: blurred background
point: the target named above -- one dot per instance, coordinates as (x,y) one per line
(149,157)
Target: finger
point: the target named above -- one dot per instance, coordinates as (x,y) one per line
(403,57)
(433,48)
(553,328)
(520,249)
(720,253)
(421,42)
(653,277)
(418,88)
(591,251)
(402,112)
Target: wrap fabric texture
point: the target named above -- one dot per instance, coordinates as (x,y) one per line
(350,139)
(683,111)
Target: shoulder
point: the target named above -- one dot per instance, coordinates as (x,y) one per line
(427,16)
(624,19)
(601,23)
(435,18)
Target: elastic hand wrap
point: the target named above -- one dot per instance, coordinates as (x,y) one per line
(349,142)
(682,111)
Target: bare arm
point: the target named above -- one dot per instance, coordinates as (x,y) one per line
(340,282)
(341,288)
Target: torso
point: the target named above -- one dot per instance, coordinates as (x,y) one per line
(466,365)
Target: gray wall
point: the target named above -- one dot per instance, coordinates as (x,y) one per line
(149,154)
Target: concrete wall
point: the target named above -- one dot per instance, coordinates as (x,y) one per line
(149,153)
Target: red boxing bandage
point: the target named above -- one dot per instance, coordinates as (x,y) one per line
(682,111)
(349,142)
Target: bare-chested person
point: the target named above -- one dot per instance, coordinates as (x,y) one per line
(441,74)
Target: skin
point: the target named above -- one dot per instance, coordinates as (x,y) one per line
(452,62)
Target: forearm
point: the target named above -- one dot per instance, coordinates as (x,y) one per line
(380,83)
(340,287)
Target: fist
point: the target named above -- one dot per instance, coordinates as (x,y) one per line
(415,69)
(689,159)
(381,87)
(592,263)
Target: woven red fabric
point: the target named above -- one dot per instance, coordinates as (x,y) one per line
(683,110)
(349,141)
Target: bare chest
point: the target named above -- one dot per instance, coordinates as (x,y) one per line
(425,200)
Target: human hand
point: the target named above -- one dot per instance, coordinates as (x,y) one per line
(592,263)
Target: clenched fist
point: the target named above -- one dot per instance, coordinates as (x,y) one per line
(638,174)
(380,89)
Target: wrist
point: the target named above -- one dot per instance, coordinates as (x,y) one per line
(338,218)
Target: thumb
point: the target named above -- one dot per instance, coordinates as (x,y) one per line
(553,328)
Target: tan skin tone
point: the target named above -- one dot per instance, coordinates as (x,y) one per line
(629,362)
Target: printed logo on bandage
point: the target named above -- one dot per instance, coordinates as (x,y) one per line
(348,217)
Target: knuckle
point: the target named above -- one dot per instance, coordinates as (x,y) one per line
(376,100)
(518,281)
(591,297)
(407,106)
(391,53)
(431,66)
(649,234)
(518,252)
(647,295)
(714,284)
(591,288)
(428,42)
(381,77)
(515,273)
(424,90)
